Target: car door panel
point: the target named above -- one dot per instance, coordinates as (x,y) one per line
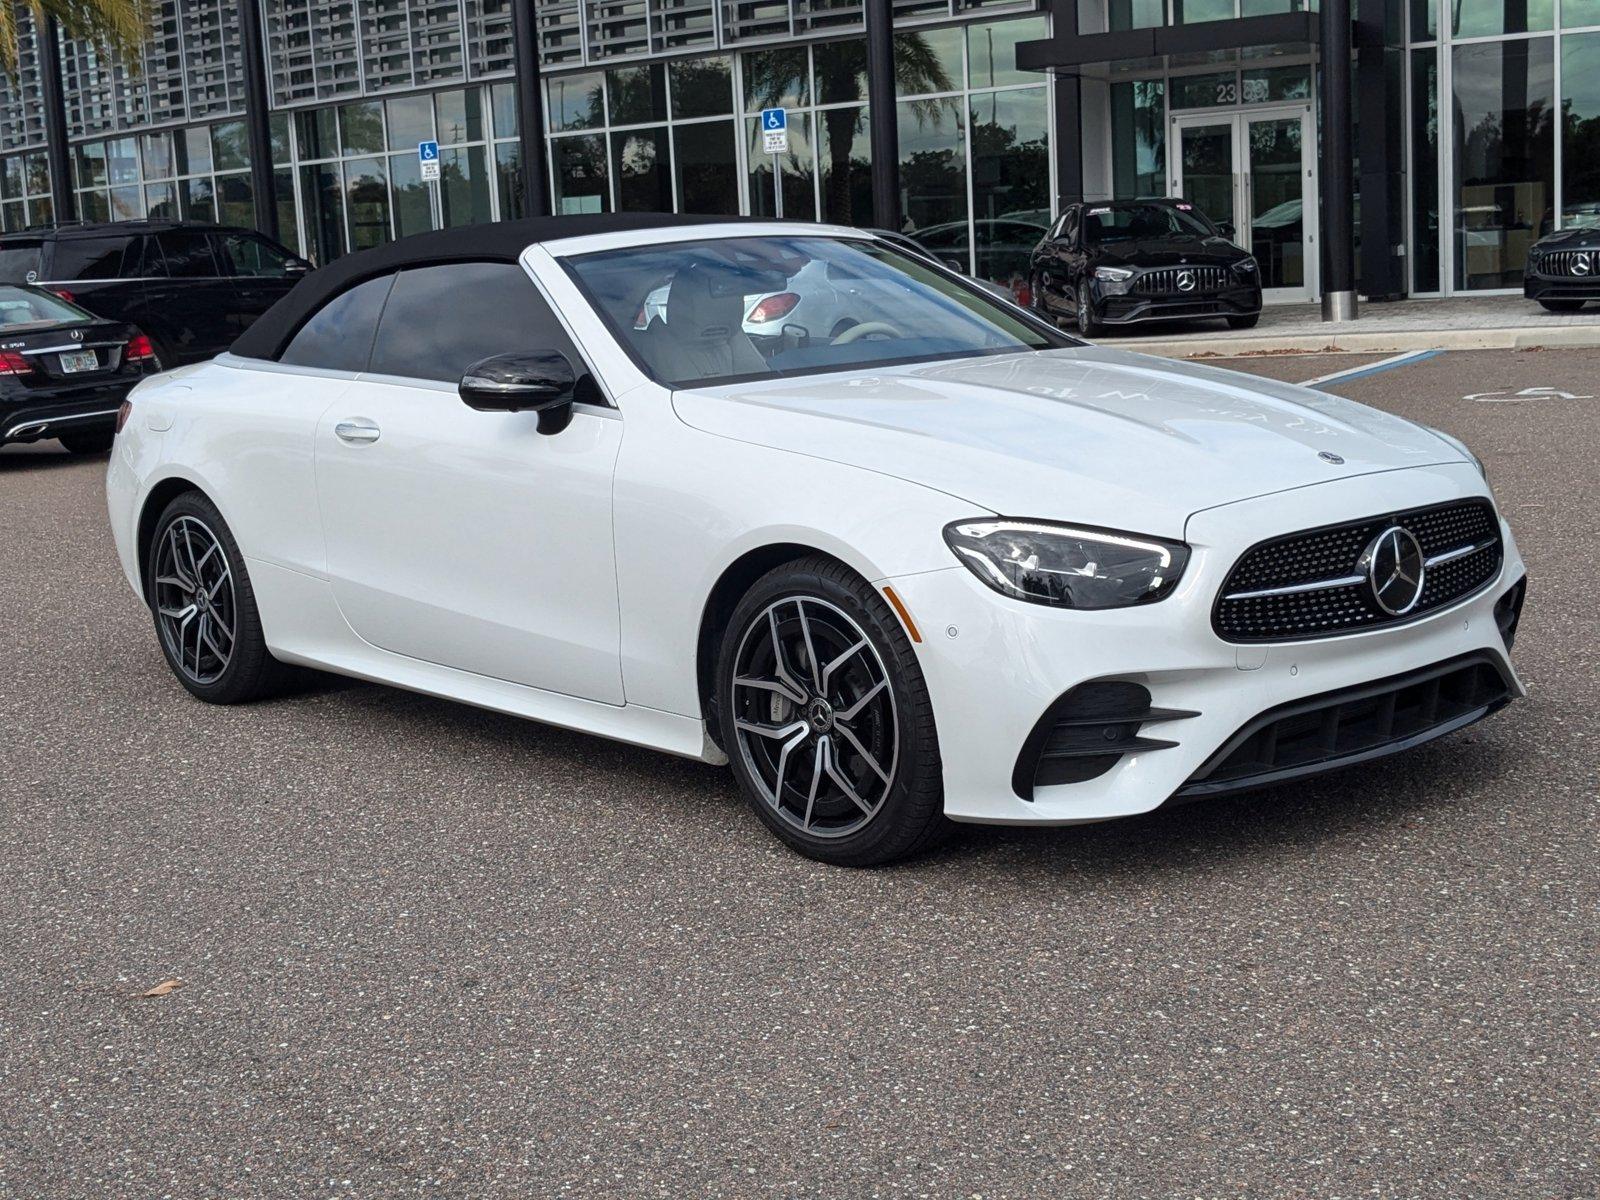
(470,540)
(465,538)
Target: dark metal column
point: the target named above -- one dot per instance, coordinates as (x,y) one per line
(530,108)
(1338,166)
(1068,139)
(63,200)
(882,119)
(258,118)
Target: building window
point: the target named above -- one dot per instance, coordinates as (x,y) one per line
(24,191)
(1425,170)
(1580,114)
(201,173)
(1504,157)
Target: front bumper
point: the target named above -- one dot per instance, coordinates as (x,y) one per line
(994,666)
(1132,307)
(1560,287)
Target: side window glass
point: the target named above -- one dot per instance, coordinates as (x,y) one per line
(188,254)
(339,334)
(148,255)
(250,255)
(88,258)
(441,320)
(1072,226)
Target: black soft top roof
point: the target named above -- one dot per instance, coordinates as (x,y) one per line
(499,241)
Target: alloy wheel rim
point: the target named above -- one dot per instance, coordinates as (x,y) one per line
(814,716)
(195,603)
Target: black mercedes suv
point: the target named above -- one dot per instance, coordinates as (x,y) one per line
(192,288)
(64,372)
(1122,262)
(1564,269)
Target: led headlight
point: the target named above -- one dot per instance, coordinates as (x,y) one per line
(1245,266)
(1066,566)
(1113,280)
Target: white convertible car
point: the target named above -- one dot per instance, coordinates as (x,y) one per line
(942,564)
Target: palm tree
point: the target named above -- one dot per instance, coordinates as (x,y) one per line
(120,27)
(841,71)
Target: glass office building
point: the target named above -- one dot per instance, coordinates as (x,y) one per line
(1478,122)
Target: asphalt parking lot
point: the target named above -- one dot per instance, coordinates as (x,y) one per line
(429,951)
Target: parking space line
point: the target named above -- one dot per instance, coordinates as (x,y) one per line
(1387,364)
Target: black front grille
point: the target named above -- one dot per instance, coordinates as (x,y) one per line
(1582,263)
(1353,725)
(1085,732)
(1165,281)
(1308,585)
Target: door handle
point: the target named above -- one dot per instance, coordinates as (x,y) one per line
(357,431)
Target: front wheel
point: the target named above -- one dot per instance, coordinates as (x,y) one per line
(827,720)
(1088,325)
(1561,306)
(1248,322)
(205,609)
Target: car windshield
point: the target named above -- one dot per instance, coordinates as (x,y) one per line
(21,307)
(1133,222)
(738,308)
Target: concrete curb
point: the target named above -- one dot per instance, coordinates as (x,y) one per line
(1356,340)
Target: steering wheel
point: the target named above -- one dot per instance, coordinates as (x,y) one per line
(866,329)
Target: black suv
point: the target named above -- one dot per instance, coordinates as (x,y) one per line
(191,288)
(1121,262)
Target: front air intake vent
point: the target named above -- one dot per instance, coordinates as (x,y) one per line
(1086,732)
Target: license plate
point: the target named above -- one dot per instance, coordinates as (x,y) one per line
(79,360)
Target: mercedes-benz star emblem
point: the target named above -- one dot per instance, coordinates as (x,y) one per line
(1328,456)
(1580,264)
(1186,281)
(1393,565)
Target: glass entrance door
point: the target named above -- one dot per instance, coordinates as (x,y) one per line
(1255,170)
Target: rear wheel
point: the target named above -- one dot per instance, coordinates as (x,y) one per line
(205,609)
(826,717)
(88,443)
(1248,322)
(1562,306)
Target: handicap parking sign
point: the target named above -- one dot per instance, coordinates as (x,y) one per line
(428,156)
(775,130)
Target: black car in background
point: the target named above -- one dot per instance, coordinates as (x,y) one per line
(192,288)
(1122,262)
(1564,269)
(63,371)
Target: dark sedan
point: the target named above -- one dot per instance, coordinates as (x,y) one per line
(1122,262)
(1564,269)
(63,371)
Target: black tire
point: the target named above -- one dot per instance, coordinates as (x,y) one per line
(98,442)
(248,672)
(1244,322)
(1088,324)
(1561,306)
(891,818)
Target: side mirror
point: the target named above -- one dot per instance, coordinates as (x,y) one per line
(540,381)
(1225,228)
(295,268)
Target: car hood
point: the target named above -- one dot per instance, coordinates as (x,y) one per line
(1097,436)
(1168,252)
(1570,239)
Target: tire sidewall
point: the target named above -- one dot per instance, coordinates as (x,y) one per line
(915,800)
